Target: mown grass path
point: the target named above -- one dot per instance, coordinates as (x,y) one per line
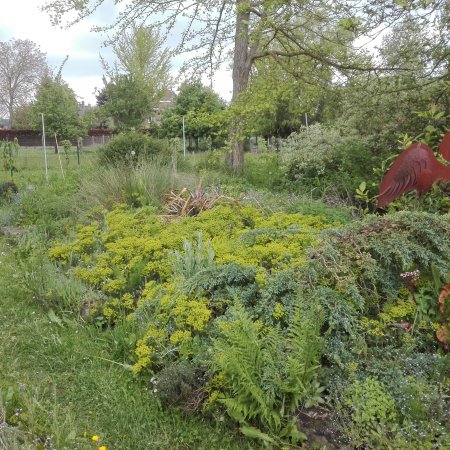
(59,380)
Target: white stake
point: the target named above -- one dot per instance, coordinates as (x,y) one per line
(45,148)
(184,141)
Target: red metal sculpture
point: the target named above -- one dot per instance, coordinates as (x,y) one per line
(416,169)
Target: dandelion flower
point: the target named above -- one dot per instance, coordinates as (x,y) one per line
(103,447)
(95,438)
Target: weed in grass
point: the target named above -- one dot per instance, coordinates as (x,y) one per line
(10,150)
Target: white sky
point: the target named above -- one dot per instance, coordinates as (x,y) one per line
(22,19)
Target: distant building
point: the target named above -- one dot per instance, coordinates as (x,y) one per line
(167,101)
(4,123)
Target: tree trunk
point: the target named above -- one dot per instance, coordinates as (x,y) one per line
(241,74)
(11,111)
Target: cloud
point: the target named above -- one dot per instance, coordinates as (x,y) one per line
(84,87)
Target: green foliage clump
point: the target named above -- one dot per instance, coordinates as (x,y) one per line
(50,207)
(10,151)
(176,284)
(241,308)
(373,410)
(200,113)
(45,282)
(126,240)
(212,160)
(266,375)
(357,268)
(58,103)
(390,244)
(193,259)
(224,282)
(178,384)
(263,170)
(131,146)
(376,319)
(321,158)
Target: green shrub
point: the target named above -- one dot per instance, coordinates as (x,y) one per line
(380,325)
(373,412)
(357,270)
(46,283)
(179,296)
(132,146)
(319,158)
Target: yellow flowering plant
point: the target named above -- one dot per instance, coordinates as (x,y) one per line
(128,255)
(119,253)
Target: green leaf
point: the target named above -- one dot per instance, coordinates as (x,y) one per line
(9,394)
(255,433)
(291,431)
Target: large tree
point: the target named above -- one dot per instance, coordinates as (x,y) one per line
(139,53)
(247,30)
(204,113)
(22,67)
(280,99)
(126,100)
(137,79)
(382,108)
(57,101)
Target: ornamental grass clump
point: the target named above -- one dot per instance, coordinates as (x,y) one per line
(192,203)
(144,183)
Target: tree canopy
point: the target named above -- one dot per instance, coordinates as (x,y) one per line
(126,100)
(138,78)
(139,53)
(22,67)
(57,101)
(203,110)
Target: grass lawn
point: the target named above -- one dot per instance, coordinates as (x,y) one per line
(30,161)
